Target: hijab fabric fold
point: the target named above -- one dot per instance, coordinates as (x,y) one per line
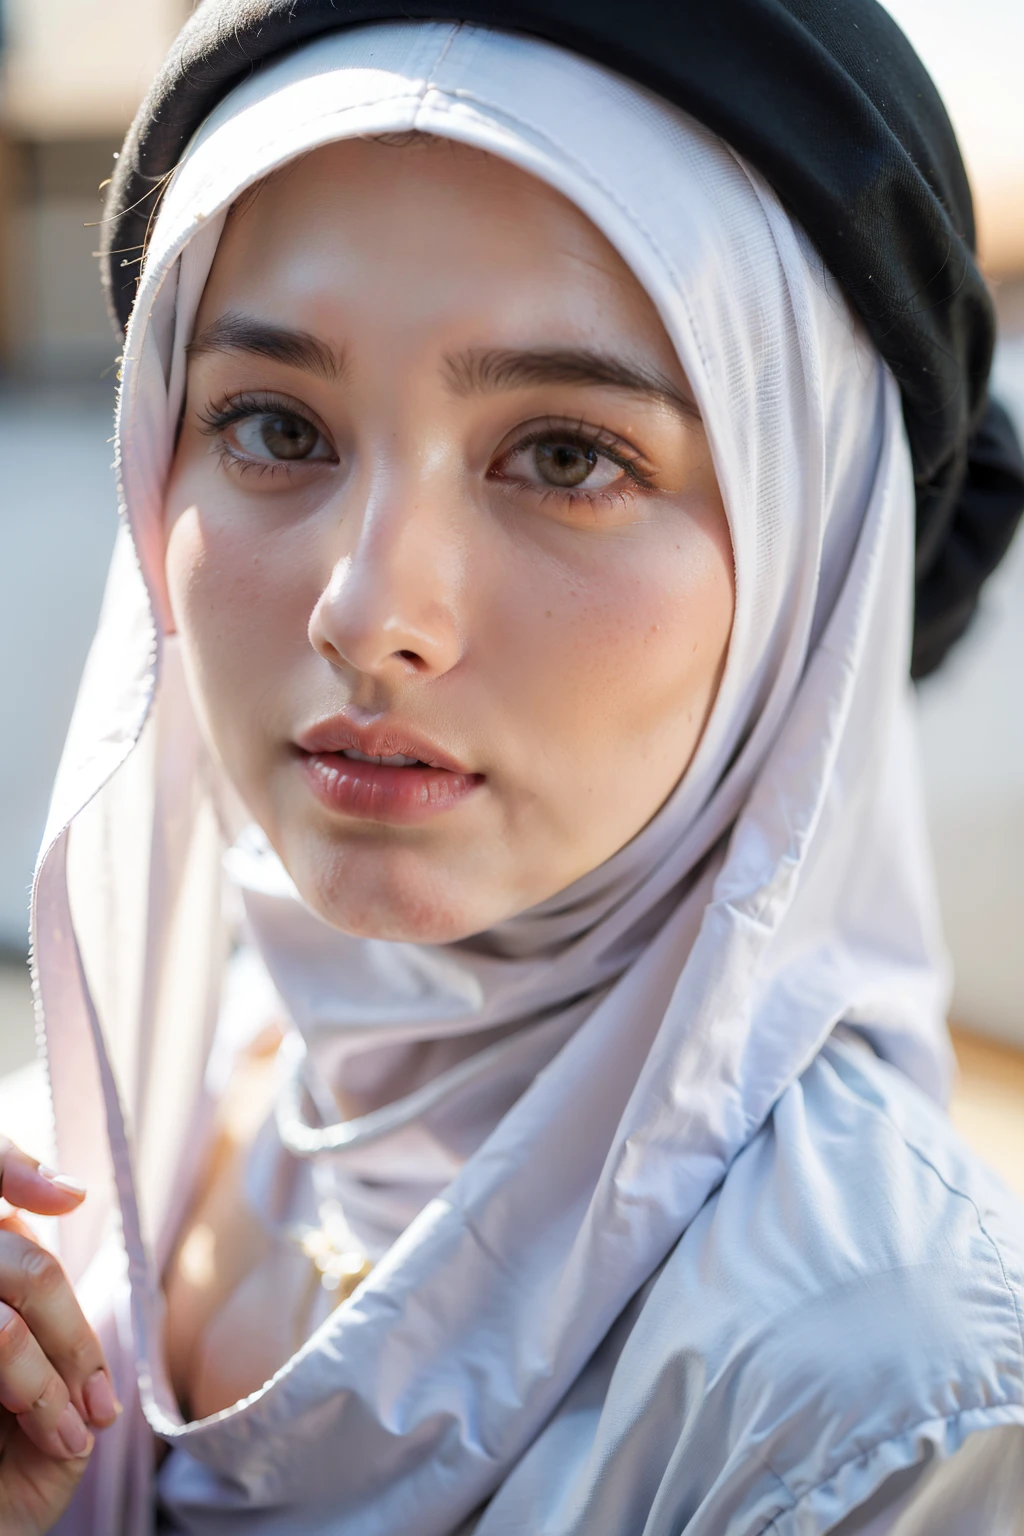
(641,1025)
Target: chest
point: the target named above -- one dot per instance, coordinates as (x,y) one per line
(239,1300)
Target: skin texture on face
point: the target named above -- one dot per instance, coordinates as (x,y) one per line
(440,490)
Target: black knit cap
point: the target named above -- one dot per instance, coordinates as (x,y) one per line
(831,104)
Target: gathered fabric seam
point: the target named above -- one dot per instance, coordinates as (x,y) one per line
(949,1419)
(1005,1402)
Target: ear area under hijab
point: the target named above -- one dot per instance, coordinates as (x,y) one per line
(160,328)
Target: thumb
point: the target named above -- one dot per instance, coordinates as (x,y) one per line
(24,1182)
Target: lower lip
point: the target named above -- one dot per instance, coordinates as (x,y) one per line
(376,792)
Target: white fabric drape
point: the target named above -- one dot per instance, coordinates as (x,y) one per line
(668,998)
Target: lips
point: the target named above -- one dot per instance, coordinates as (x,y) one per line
(381,773)
(376,742)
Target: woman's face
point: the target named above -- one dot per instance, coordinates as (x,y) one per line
(440,495)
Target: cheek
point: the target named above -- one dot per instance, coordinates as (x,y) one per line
(239,611)
(623,653)
(688,597)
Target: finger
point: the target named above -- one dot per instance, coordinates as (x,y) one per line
(36,1488)
(31,1389)
(26,1183)
(33,1283)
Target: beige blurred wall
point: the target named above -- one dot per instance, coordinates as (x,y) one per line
(79,68)
(974,51)
(73,75)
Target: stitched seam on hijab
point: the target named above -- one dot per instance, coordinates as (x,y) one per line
(950,1420)
(446,47)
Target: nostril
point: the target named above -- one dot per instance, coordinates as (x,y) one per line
(411,656)
(329,652)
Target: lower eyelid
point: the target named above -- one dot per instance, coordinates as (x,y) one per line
(243,464)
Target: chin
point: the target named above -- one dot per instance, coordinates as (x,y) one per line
(375,893)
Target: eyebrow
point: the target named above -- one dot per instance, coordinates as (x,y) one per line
(477,371)
(243,333)
(487,372)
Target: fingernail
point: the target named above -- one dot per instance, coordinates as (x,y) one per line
(74,1436)
(100,1399)
(61,1181)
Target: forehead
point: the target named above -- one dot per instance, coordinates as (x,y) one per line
(427,227)
(387,183)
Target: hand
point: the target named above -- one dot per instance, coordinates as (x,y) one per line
(54,1384)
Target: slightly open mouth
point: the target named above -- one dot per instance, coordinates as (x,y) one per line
(398,760)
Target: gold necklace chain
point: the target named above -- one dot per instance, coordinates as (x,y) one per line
(338,1261)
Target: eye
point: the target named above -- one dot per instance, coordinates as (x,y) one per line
(564,463)
(279,435)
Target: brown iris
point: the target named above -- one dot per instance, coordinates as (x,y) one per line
(288,437)
(564,464)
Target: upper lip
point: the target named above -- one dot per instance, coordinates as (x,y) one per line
(379,740)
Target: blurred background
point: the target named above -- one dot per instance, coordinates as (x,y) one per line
(72,73)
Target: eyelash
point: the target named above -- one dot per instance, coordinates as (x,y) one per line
(216,419)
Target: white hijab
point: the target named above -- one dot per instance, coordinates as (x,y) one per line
(606,1055)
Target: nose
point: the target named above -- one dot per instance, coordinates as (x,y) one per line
(389,607)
